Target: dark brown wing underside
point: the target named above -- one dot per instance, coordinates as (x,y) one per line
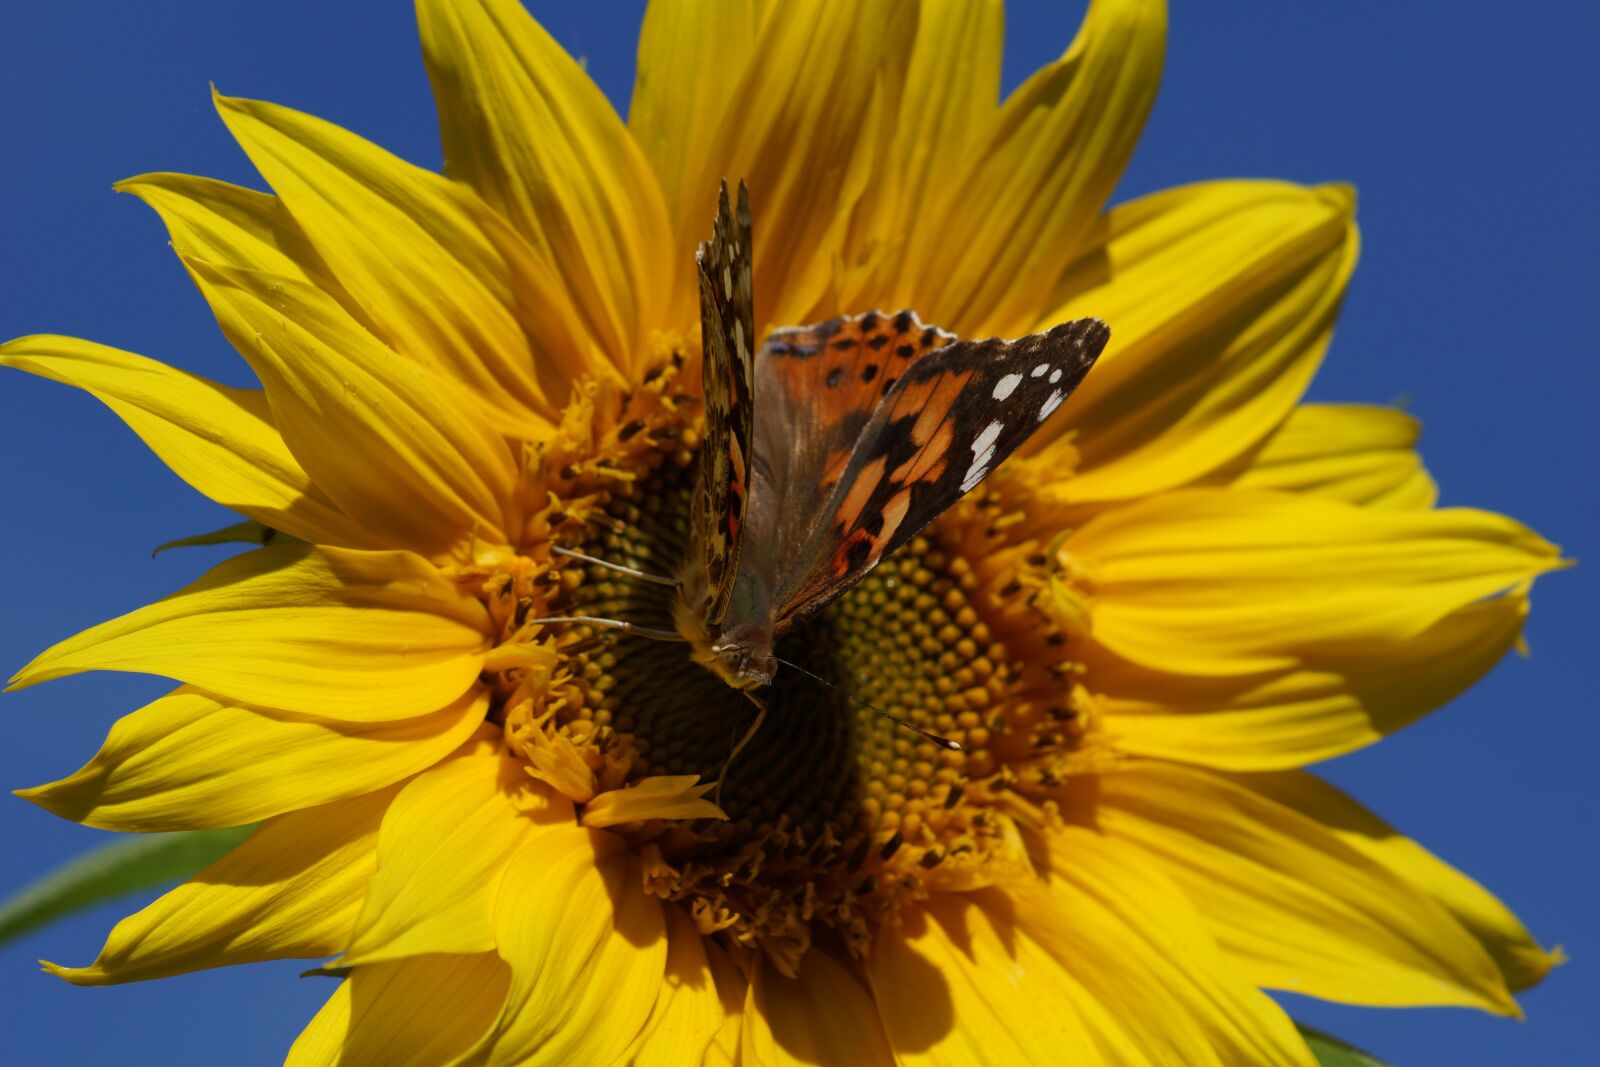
(727,325)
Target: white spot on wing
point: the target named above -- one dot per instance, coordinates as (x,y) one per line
(1050,404)
(982,453)
(1006,386)
(1038,372)
(727,280)
(1055,376)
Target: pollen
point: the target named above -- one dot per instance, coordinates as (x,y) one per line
(836,818)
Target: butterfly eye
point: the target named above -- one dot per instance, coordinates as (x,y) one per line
(731,657)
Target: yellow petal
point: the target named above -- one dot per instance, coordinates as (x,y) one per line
(587,949)
(823,1016)
(219,439)
(803,127)
(688,1011)
(404,245)
(291,889)
(366,636)
(660,796)
(229,224)
(189,761)
(1292,905)
(444,843)
(400,448)
(733,987)
(409,1013)
(1041,169)
(1229,582)
(1332,704)
(1119,922)
(524,126)
(248,532)
(956,984)
(691,55)
(1354,452)
(950,89)
(1221,299)
(1521,959)
(234,227)
(1072,971)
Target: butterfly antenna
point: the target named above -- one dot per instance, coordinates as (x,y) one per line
(557,550)
(942,742)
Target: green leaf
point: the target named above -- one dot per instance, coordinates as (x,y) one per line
(125,865)
(1331,1052)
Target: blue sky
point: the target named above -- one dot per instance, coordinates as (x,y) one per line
(1470,138)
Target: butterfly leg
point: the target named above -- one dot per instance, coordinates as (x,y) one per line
(615,624)
(557,550)
(761,716)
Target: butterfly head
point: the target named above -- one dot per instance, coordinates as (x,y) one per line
(742,657)
(743,666)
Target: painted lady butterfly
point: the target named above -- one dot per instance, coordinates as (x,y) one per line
(834,445)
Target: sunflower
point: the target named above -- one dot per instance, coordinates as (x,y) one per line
(1187,588)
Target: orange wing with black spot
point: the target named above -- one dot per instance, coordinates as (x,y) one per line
(946,416)
(818,387)
(727,332)
(831,377)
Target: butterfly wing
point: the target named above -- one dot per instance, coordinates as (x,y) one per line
(818,387)
(727,329)
(951,416)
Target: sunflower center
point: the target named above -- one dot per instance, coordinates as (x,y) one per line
(836,816)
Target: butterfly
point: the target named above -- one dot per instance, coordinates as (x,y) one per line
(833,445)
